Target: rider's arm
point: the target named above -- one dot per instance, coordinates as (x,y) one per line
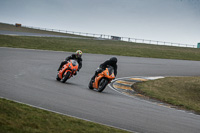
(80,64)
(115,70)
(69,57)
(104,65)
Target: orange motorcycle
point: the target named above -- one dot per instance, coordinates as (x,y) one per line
(102,79)
(67,71)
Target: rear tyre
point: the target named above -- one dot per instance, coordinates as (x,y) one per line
(57,78)
(65,77)
(102,84)
(90,85)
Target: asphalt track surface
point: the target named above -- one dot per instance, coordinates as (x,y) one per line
(28,76)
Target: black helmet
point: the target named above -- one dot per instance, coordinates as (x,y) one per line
(113,59)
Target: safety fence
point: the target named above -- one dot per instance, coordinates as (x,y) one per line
(110,37)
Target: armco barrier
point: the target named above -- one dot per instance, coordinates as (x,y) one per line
(128,39)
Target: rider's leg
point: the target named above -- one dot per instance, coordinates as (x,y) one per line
(61,64)
(99,70)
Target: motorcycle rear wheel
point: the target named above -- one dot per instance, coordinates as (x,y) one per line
(90,85)
(102,84)
(57,78)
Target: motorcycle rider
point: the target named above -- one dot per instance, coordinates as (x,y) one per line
(76,56)
(111,62)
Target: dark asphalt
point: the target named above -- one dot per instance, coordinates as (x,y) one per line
(28,76)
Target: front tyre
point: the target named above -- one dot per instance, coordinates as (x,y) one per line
(102,84)
(65,77)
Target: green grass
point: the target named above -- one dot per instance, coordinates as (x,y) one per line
(94,46)
(10,27)
(183,92)
(100,47)
(20,118)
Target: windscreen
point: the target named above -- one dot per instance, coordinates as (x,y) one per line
(74,62)
(111,70)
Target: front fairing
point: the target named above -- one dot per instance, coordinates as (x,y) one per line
(71,66)
(107,73)
(61,72)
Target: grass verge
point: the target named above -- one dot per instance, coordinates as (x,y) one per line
(9,27)
(20,118)
(183,92)
(100,47)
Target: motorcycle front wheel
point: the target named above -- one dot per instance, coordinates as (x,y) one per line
(65,77)
(102,84)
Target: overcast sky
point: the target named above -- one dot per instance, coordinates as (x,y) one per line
(162,20)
